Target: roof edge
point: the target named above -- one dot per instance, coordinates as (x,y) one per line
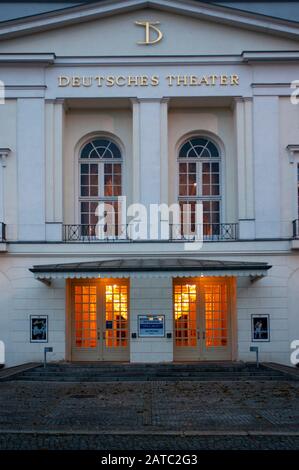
(89,11)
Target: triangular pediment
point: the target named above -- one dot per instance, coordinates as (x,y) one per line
(110,29)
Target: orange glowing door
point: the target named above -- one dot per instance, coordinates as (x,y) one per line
(202,319)
(186,327)
(216,321)
(100,330)
(116,327)
(85,322)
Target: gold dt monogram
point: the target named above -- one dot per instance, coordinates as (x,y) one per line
(150,28)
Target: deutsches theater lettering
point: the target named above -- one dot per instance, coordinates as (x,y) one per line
(148,80)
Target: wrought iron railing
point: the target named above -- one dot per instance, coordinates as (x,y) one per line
(209,232)
(176,233)
(295,224)
(2,232)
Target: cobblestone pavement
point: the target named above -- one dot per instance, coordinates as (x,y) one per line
(149,407)
(147,443)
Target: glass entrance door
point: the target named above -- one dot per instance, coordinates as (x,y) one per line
(215,321)
(202,322)
(186,306)
(115,327)
(100,329)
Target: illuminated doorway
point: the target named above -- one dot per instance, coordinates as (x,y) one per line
(202,319)
(99,320)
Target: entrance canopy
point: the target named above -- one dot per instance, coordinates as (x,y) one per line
(150,267)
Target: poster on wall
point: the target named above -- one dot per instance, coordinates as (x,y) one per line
(38,328)
(151,326)
(260,328)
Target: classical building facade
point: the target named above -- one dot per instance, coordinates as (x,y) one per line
(115,103)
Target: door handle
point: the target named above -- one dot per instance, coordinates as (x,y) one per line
(99,335)
(203,335)
(104,334)
(198,334)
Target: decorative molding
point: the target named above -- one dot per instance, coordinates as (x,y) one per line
(150,60)
(153,100)
(136,100)
(8,58)
(49,276)
(234,59)
(26,87)
(272,56)
(271,85)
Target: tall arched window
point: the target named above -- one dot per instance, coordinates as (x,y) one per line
(199,180)
(100,179)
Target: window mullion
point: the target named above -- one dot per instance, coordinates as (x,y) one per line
(101,179)
(199,179)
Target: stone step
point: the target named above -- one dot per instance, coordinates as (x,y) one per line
(157,373)
(146,372)
(174,365)
(172,378)
(157,376)
(116,369)
(134,369)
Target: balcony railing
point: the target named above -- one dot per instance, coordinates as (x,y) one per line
(120,233)
(210,232)
(295,228)
(2,232)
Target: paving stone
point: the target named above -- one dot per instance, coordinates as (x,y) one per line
(143,407)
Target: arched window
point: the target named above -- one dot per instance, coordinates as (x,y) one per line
(199,180)
(100,180)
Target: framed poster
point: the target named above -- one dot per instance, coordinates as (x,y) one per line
(151,326)
(38,328)
(260,328)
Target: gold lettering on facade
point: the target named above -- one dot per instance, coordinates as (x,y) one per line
(132,81)
(110,81)
(223,80)
(99,80)
(155,80)
(150,30)
(182,80)
(213,79)
(76,81)
(193,80)
(204,81)
(63,81)
(234,80)
(170,78)
(120,81)
(87,81)
(148,80)
(144,80)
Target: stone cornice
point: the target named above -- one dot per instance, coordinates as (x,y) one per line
(248,57)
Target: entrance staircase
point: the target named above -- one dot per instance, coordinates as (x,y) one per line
(120,372)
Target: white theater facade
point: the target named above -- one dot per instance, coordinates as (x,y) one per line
(176,102)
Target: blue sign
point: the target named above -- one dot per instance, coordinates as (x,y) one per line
(109,324)
(151,326)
